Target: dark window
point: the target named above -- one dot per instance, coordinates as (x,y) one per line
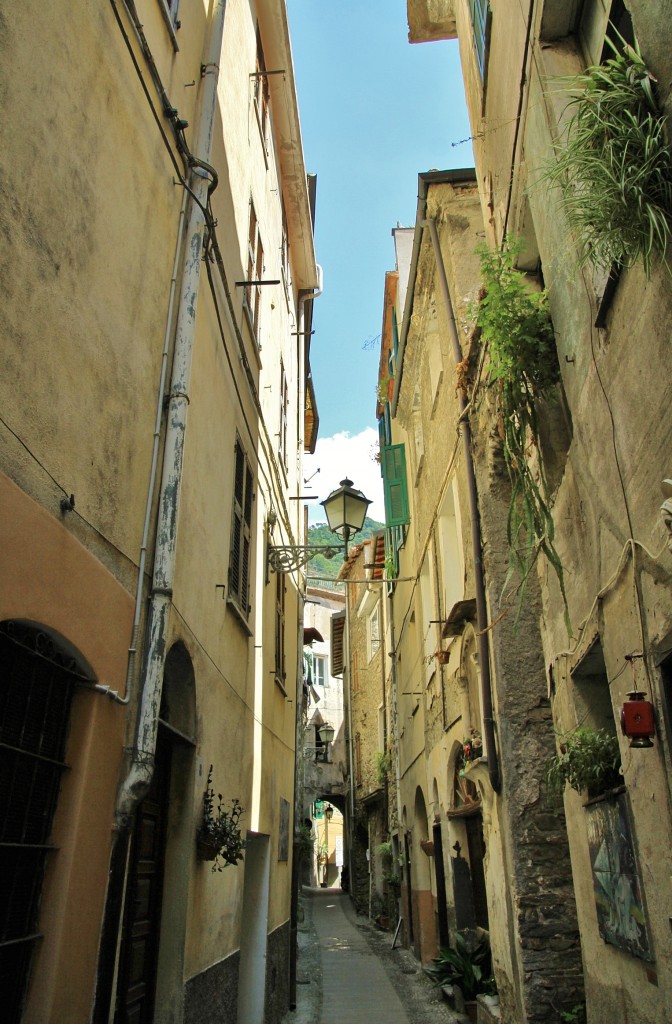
(239,564)
(38,681)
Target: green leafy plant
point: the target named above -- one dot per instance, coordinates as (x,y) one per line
(219,836)
(383,766)
(305,842)
(322,853)
(613,166)
(589,759)
(577,1014)
(392,881)
(516,326)
(386,850)
(468,967)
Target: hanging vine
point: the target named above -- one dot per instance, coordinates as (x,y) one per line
(516,327)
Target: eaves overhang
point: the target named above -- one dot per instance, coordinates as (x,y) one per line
(274,28)
(429,20)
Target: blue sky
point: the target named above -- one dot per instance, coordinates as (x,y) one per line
(375,111)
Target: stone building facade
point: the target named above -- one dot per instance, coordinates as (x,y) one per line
(569,890)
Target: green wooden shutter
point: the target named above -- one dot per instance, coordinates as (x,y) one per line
(394,482)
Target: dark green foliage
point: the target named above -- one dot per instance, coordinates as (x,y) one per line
(613,166)
(470,968)
(589,759)
(516,326)
(328,568)
(220,828)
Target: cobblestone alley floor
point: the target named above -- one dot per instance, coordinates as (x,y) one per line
(348,973)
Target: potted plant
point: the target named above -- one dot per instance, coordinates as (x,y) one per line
(219,836)
(467,967)
(589,759)
(472,747)
(613,165)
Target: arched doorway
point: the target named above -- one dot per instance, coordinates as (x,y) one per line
(468,861)
(424,922)
(150,974)
(40,672)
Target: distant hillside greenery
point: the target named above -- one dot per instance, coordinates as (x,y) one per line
(321,534)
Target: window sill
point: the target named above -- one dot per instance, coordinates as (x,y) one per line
(239,615)
(280,684)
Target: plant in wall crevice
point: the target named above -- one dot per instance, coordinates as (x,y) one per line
(588,759)
(516,326)
(613,166)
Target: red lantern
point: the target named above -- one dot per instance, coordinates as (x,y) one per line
(637,720)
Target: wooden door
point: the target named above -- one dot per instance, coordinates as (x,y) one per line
(142,915)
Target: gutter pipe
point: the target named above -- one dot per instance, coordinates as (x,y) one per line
(424,181)
(139,776)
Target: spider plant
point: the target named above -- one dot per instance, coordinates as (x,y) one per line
(613,166)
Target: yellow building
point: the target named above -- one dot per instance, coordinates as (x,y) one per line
(157,276)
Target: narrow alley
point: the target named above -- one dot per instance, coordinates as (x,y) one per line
(349,973)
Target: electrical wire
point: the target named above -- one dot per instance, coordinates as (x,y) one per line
(228,682)
(74,510)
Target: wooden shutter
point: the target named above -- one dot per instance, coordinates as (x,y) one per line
(239,565)
(395,487)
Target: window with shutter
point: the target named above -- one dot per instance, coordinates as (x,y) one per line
(393,462)
(239,564)
(255,270)
(280,592)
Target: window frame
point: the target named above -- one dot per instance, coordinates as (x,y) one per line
(239,575)
(373,637)
(284,414)
(261,97)
(280,606)
(255,270)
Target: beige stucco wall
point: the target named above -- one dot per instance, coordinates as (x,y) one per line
(90,217)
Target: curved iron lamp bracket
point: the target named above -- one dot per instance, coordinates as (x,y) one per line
(287,558)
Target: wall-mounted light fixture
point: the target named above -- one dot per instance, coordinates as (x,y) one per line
(346,509)
(326,733)
(637,721)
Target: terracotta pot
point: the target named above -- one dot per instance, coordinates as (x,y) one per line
(206,848)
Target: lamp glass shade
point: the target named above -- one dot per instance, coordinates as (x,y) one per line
(328,812)
(326,733)
(345,508)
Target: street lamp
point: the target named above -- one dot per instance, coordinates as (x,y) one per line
(328,815)
(326,733)
(345,508)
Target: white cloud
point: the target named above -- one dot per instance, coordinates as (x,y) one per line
(340,456)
